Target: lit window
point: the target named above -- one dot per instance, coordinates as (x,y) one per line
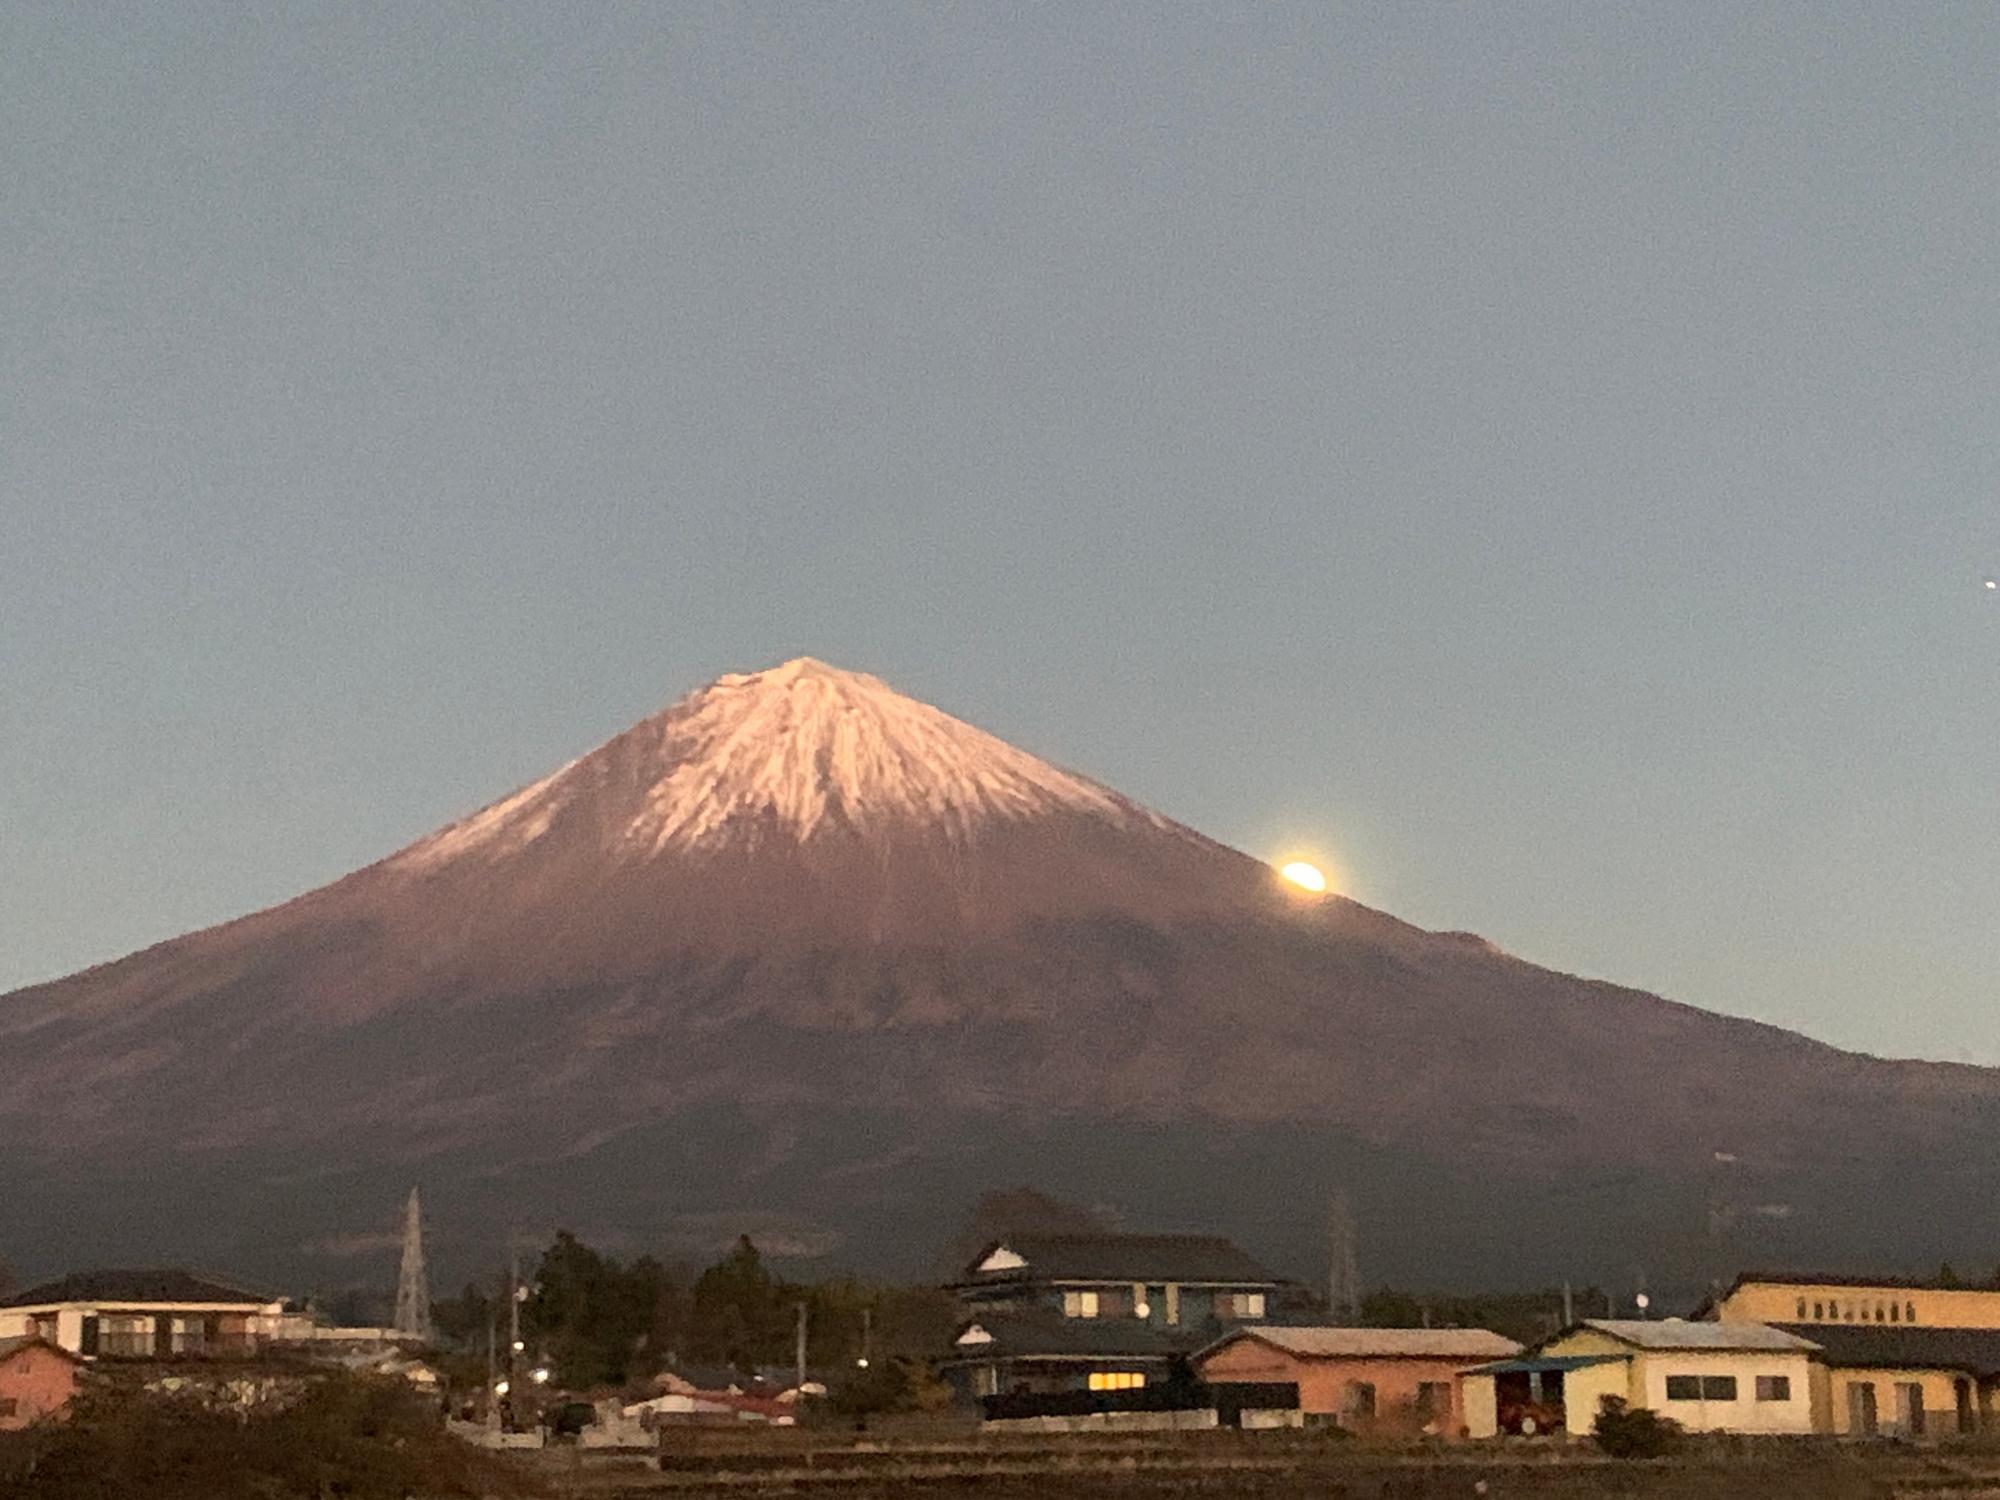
(1116,1380)
(1079,1304)
(1249,1304)
(1774,1387)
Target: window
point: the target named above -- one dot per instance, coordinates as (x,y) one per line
(1701,1387)
(1433,1399)
(1116,1380)
(1819,1312)
(1879,1314)
(1249,1304)
(1360,1398)
(1895,1312)
(1079,1304)
(1774,1387)
(9,1406)
(1802,1309)
(1909,1312)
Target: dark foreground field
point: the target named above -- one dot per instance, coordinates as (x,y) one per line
(1268,1468)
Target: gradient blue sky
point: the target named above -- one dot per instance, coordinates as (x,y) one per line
(1543,457)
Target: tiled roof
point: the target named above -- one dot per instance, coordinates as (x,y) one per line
(133,1286)
(1124,1257)
(1976,1351)
(1378,1343)
(1026,1336)
(1674,1333)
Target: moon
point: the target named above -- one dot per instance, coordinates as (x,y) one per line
(1306,877)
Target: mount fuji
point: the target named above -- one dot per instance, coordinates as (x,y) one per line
(804,957)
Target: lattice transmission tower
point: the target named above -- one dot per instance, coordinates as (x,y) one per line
(413,1287)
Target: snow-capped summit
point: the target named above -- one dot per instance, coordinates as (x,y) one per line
(800,751)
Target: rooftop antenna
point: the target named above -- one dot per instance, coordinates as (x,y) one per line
(413,1286)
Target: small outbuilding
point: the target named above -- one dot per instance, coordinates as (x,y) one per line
(1387,1380)
(1709,1377)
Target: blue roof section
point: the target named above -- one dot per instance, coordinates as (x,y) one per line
(1546,1364)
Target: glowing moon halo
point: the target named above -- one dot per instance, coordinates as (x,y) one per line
(1306,877)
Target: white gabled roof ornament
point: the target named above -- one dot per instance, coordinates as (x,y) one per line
(1000,1258)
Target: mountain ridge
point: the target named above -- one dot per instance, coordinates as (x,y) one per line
(853,929)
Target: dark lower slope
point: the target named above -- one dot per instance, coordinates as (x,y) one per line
(1494,1121)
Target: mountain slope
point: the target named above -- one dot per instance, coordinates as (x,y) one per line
(801,951)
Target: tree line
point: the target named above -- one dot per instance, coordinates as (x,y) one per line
(600,1321)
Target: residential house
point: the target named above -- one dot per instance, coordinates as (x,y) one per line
(37,1380)
(1708,1376)
(1911,1357)
(1386,1380)
(143,1315)
(1101,1312)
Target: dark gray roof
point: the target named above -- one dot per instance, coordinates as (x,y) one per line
(1123,1257)
(1976,1351)
(1026,1336)
(133,1286)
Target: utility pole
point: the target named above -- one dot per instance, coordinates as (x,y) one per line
(1343,1277)
(492,1359)
(799,1351)
(513,1317)
(867,1334)
(1569,1305)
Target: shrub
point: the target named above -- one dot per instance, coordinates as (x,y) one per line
(1633,1431)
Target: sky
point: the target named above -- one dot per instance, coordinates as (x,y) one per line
(1541,460)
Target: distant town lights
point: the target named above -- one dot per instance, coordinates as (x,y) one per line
(540,1375)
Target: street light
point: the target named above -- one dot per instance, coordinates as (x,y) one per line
(501,1387)
(540,1375)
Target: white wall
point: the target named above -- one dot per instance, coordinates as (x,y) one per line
(1746,1413)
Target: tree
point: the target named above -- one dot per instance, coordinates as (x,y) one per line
(1948,1278)
(742,1315)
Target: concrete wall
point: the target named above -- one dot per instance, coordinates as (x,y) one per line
(1110,1421)
(1940,1401)
(1746,1413)
(1584,1391)
(1479,1406)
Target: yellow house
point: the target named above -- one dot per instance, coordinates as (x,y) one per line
(1788,1298)
(1908,1357)
(1708,1376)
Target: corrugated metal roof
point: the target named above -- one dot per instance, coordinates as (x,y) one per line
(1150,1258)
(1377,1343)
(1545,1364)
(1673,1333)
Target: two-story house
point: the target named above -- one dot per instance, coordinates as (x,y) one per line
(1101,1312)
(143,1315)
